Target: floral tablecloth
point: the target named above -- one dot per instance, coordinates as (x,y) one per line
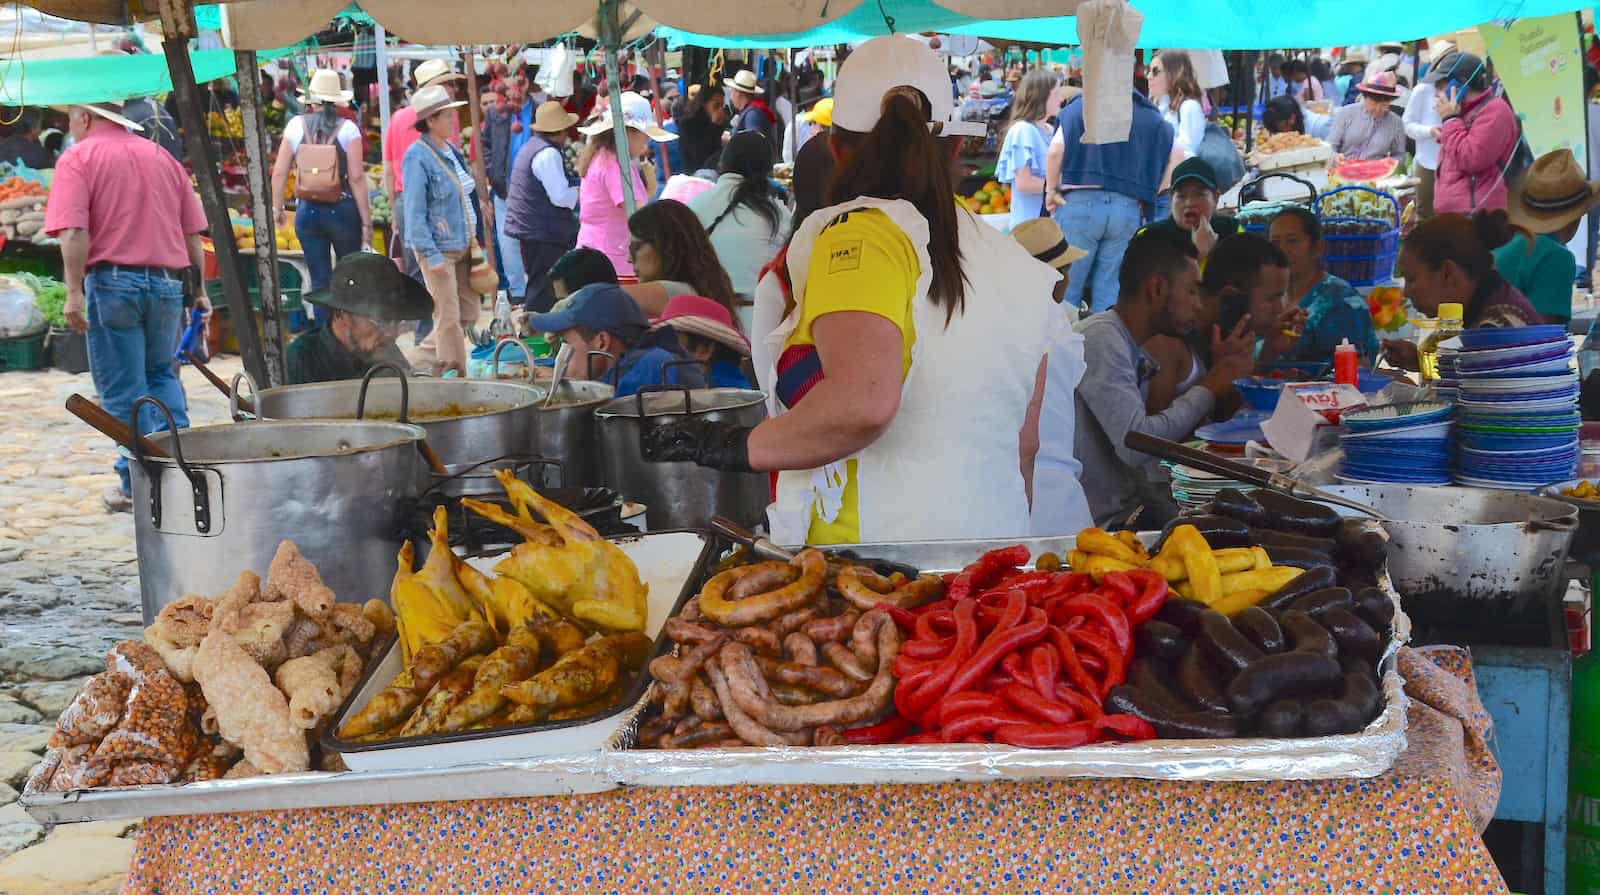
(1412,830)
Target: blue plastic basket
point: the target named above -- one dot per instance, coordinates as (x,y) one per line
(1365,259)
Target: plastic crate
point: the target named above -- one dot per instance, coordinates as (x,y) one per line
(289,286)
(1363,259)
(26,353)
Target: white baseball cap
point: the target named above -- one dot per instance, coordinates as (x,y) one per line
(635,114)
(885,63)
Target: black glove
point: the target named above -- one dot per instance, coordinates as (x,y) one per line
(716,445)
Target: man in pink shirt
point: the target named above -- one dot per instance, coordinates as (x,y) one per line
(129,225)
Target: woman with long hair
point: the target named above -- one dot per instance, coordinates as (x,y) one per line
(1175,90)
(1450,258)
(671,255)
(1335,311)
(1027,142)
(743,214)
(335,222)
(602,213)
(701,127)
(915,345)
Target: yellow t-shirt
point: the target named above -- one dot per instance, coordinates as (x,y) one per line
(861,262)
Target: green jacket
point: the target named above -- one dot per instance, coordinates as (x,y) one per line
(317,356)
(1544,275)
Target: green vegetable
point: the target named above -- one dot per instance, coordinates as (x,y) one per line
(49,294)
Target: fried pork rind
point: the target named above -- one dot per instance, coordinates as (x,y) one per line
(312,684)
(185,622)
(261,631)
(251,713)
(292,577)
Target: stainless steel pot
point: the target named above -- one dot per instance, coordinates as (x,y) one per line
(681,495)
(1455,546)
(567,433)
(467,421)
(229,494)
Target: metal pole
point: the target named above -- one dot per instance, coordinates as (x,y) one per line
(656,62)
(382,38)
(177,27)
(475,118)
(611,39)
(256,149)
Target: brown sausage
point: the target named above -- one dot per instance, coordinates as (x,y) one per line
(864,589)
(704,700)
(846,661)
(758,578)
(800,649)
(820,678)
(749,689)
(717,605)
(748,729)
(831,630)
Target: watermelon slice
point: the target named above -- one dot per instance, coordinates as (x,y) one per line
(1366,172)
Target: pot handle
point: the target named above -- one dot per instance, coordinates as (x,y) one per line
(494,359)
(197,482)
(1537,525)
(613,371)
(405,390)
(686,362)
(236,411)
(638,399)
(520,461)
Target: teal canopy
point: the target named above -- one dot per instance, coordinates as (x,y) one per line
(1209,24)
(94,79)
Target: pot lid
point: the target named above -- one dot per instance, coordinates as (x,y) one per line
(268,441)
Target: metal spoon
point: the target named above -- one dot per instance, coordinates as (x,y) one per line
(563,359)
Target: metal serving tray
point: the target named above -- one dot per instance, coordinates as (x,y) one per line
(1365,754)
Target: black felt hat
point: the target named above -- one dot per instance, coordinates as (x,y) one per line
(370,285)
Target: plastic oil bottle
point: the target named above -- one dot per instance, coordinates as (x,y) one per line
(1450,318)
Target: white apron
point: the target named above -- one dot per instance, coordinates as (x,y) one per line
(948,467)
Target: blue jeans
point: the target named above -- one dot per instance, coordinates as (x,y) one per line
(135,320)
(325,227)
(1101,223)
(1161,210)
(509,254)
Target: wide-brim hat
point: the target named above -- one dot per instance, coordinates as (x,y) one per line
(745,82)
(326,87)
(432,99)
(110,111)
(1552,194)
(433,71)
(1043,240)
(370,285)
(1382,85)
(702,316)
(889,64)
(635,114)
(552,118)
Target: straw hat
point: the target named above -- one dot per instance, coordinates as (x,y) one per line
(1043,240)
(434,71)
(1381,86)
(702,316)
(635,114)
(1553,194)
(326,87)
(110,111)
(552,118)
(433,98)
(745,82)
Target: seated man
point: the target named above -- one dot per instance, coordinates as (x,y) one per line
(706,333)
(1158,294)
(1244,307)
(369,298)
(603,319)
(1194,206)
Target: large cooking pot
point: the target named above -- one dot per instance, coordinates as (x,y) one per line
(467,421)
(229,494)
(567,433)
(1470,551)
(680,495)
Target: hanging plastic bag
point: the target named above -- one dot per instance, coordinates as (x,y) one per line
(19,313)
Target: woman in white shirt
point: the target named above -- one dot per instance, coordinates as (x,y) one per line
(746,222)
(1422,126)
(1176,91)
(1022,156)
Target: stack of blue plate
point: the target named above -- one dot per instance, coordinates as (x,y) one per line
(1397,444)
(1448,388)
(1518,408)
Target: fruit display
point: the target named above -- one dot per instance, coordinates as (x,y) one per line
(1584,490)
(1388,307)
(1354,172)
(233,686)
(1284,142)
(555,636)
(22,203)
(228,123)
(382,214)
(991,198)
(244,235)
(1358,203)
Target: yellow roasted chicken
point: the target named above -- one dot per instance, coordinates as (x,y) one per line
(563,568)
(430,602)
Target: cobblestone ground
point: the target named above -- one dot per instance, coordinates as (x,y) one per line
(68,590)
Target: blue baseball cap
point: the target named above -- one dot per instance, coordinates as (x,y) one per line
(603,307)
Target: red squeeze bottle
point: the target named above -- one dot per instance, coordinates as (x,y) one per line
(1346,364)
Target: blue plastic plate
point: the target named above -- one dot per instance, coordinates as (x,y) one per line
(1508,337)
(1236,431)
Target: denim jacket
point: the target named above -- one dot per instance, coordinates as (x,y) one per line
(435,216)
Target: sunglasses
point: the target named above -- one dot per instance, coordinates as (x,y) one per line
(1155,71)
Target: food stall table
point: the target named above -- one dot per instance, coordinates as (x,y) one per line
(1413,829)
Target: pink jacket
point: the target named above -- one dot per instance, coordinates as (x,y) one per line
(1474,148)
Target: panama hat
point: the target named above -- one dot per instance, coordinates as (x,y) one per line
(552,118)
(1043,240)
(433,98)
(745,82)
(370,285)
(701,316)
(110,111)
(635,114)
(1552,194)
(326,87)
(433,71)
